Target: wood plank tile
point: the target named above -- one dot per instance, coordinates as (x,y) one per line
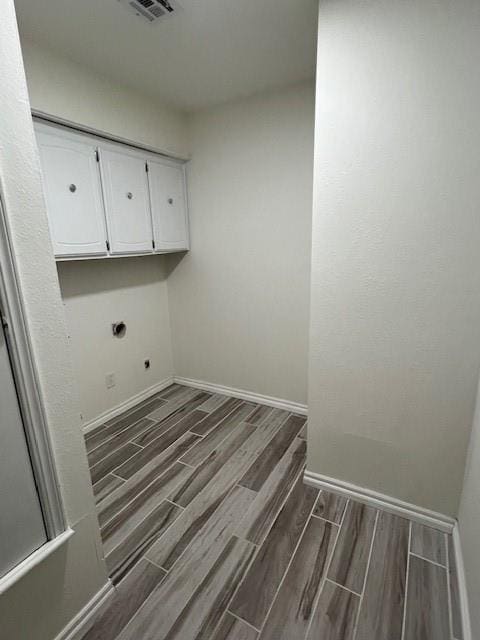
(128,598)
(293,606)
(214,417)
(335,614)
(161,610)
(125,555)
(330,506)
(114,460)
(103,433)
(156,451)
(381,612)
(427,602)
(162,442)
(232,628)
(429,543)
(104,487)
(454,592)
(224,428)
(273,452)
(202,614)
(127,520)
(303,432)
(169,407)
(182,413)
(172,392)
(127,435)
(349,562)
(251,602)
(215,401)
(260,517)
(203,474)
(260,413)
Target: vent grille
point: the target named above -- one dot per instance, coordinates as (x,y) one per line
(151,10)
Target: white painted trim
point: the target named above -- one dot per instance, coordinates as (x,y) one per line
(33,560)
(77,627)
(462,584)
(381,501)
(127,404)
(250,396)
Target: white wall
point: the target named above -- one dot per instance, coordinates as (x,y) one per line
(63,88)
(395,291)
(239,299)
(97,293)
(469,522)
(43,601)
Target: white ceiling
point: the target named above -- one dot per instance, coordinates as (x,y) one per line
(211,51)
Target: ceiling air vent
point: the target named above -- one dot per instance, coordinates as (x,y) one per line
(151,10)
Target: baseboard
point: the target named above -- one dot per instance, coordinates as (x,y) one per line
(462,584)
(381,501)
(128,404)
(270,401)
(78,626)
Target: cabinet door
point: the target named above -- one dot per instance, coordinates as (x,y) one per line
(169,211)
(73,195)
(126,202)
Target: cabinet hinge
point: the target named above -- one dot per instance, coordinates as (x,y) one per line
(108,245)
(97,155)
(146,167)
(153,244)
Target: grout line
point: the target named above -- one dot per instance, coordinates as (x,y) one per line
(300,538)
(405,603)
(449,594)
(119,433)
(326,519)
(234,615)
(329,563)
(112,473)
(115,468)
(174,503)
(337,584)
(370,553)
(437,564)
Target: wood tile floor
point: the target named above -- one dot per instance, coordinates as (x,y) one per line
(210,534)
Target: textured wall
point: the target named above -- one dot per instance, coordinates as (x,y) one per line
(395,291)
(239,299)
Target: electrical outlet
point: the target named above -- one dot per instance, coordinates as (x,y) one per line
(110,380)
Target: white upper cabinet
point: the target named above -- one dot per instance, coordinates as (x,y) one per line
(73,194)
(127,203)
(169,211)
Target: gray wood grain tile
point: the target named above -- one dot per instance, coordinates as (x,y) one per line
(204,610)
(188,573)
(330,506)
(427,602)
(162,442)
(129,596)
(182,414)
(293,606)
(130,517)
(303,432)
(215,401)
(124,556)
(172,392)
(260,517)
(232,628)
(104,487)
(349,562)
(157,452)
(251,602)
(263,466)
(204,473)
(114,460)
(429,543)
(169,407)
(214,417)
(260,413)
(454,592)
(335,614)
(106,431)
(381,612)
(118,440)
(224,428)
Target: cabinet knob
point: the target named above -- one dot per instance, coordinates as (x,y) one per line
(129,195)
(170,201)
(73,187)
